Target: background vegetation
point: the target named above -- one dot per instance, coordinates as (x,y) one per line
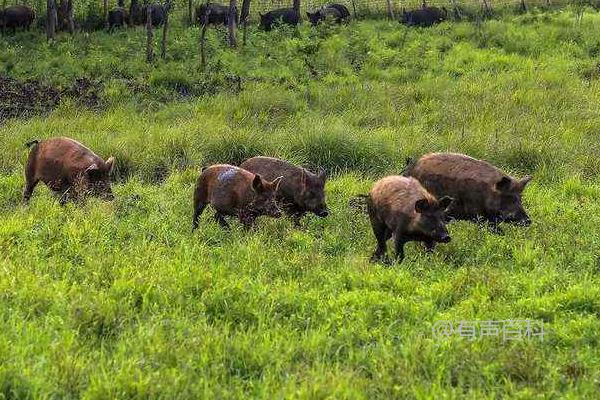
(120,300)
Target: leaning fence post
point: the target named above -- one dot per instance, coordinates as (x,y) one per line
(203,45)
(163,47)
(244,17)
(523,6)
(390,10)
(486,8)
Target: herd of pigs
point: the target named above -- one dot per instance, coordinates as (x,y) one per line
(22,16)
(416,206)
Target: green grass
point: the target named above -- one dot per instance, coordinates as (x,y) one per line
(121,300)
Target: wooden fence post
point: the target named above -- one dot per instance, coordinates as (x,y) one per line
(203,46)
(163,48)
(232,23)
(51,19)
(390,10)
(296,7)
(70,19)
(106,25)
(244,16)
(523,6)
(486,8)
(149,35)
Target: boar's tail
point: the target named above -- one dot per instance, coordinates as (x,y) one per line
(359,202)
(31,143)
(410,163)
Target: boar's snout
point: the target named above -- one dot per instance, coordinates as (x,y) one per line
(444,238)
(109,197)
(322,213)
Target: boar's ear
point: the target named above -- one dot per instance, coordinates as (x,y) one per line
(445,202)
(422,206)
(524,181)
(257,183)
(322,174)
(504,184)
(110,164)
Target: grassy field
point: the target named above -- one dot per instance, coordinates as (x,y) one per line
(120,300)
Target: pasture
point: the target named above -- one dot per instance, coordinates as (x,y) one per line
(120,300)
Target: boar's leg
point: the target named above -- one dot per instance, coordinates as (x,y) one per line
(399,247)
(494,226)
(382,234)
(29,186)
(220,218)
(198,209)
(429,246)
(296,217)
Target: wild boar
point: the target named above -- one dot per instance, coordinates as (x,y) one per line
(138,15)
(337,12)
(118,16)
(401,207)
(213,14)
(282,15)
(14,17)
(300,191)
(68,168)
(480,190)
(426,16)
(236,192)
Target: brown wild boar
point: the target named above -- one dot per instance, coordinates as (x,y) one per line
(401,207)
(480,190)
(234,191)
(68,168)
(300,191)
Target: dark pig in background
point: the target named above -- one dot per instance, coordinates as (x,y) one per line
(282,15)
(213,14)
(14,17)
(337,12)
(426,16)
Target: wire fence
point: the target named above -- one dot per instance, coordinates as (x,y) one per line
(89,14)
